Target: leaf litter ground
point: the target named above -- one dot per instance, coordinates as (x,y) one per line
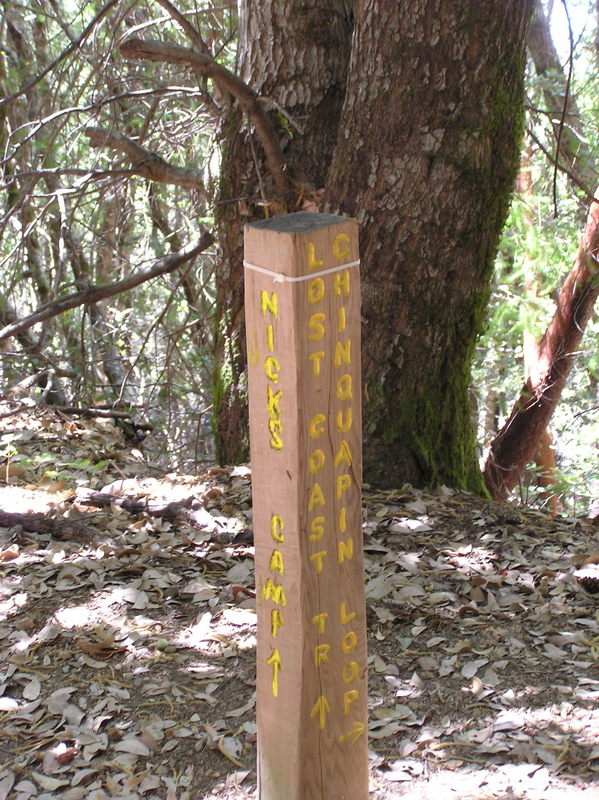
(127,641)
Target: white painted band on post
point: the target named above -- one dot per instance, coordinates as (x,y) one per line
(276,276)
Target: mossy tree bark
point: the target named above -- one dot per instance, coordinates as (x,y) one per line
(426,155)
(426,161)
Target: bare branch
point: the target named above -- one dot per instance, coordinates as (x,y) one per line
(247,97)
(88,174)
(200,45)
(571,143)
(105,413)
(590,197)
(65,53)
(96,293)
(145,162)
(37,125)
(192,34)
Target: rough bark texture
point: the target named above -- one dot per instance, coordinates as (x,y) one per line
(146,163)
(295,55)
(426,161)
(517,441)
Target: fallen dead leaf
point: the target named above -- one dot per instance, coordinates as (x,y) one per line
(105,648)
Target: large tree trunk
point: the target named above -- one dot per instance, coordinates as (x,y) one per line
(295,54)
(517,441)
(426,161)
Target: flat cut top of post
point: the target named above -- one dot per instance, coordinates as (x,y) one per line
(300,222)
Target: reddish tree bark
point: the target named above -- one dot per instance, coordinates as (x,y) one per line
(544,455)
(515,444)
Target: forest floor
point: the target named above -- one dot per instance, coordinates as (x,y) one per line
(127,640)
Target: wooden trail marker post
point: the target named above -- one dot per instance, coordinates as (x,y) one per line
(302,300)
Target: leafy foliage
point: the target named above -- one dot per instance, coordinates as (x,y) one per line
(538,247)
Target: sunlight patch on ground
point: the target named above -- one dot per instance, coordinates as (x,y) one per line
(83,616)
(21,500)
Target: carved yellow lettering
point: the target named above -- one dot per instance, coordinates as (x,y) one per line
(318,558)
(276,562)
(341,282)
(342,353)
(321,707)
(343,483)
(345,550)
(275,426)
(349,698)
(316,461)
(316,497)
(315,359)
(276,621)
(319,620)
(345,617)
(342,520)
(312,262)
(272,402)
(275,663)
(343,425)
(268,303)
(315,291)
(340,248)
(343,454)
(316,326)
(270,338)
(344,391)
(350,672)
(317,529)
(355,734)
(321,654)
(341,319)
(276,525)
(316,429)
(271,367)
(274,593)
(350,640)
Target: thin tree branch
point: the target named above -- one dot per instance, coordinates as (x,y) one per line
(192,34)
(96,293)
(247,97)
(563,168)
(65,53)
(145,162)
(90,174)
(92,411)
(199,44)
(38,124)
(572,146)
(565,105)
